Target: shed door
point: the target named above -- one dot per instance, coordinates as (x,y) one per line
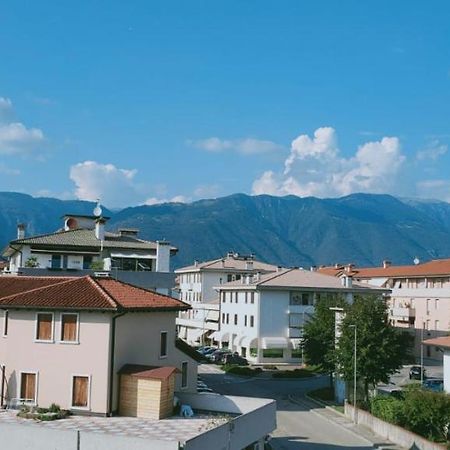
(80,392)
(28,386)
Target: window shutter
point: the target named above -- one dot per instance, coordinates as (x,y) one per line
(28,386)
(69,327)
(44,327)
(80,391)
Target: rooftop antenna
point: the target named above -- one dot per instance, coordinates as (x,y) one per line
(98,209)
(416,260)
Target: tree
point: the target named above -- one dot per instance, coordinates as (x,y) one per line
(319,334)
(381,349)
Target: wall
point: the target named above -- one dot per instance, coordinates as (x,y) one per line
(447,371)
(162,256)
(393,433)
(138,342)
(56,362)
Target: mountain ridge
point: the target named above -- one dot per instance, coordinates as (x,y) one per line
(290,231)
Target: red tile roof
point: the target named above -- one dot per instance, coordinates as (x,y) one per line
(81,293)
(436,267)
(439,342)
(152,372)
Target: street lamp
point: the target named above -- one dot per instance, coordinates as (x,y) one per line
(354,375)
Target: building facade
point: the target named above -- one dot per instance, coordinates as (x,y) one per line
(262,316)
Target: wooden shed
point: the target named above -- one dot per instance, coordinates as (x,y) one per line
(146,391)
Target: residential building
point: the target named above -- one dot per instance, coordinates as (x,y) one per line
(83,246)
(262,316)
(443,343)
(196,286)
(65,340)
(419,299)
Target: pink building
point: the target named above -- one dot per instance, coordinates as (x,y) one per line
(63,340)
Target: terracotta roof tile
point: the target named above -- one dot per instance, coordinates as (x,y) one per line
(81,293)
(439,342)
(152,372)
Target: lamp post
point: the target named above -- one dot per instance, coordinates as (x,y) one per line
(354,374)
(421,353)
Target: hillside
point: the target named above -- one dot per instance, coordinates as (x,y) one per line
(293,231)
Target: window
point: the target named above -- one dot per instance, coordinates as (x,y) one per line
(245,320)
(69,327)
(56,262)
(229,277)
(65,261)
(5,323)
(223,317)
(163,344)
(80,391)
(87,261)
(44,327)
(252,297)
(28,386)
(235,319)
(228,318)
(235,297)
(184,374)
(436,304)
(301,298)
(252,321)
(436,325)
(273,353)
(246,297)
(223,297)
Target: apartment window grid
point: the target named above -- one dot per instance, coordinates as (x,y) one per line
(245,320)
(236,297)
(235,319)
(246,297)
(228,318)
(252,297)
(223,317)
(252,321)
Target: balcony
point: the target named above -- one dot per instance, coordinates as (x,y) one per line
(403,312)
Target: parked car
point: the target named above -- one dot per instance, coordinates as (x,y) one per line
(217,354)
(434,384)
(229,358)
(204,389)
(416,372)
(206,350)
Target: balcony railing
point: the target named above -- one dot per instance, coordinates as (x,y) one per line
(403,312)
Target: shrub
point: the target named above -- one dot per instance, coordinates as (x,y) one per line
(389,409)
(240,370)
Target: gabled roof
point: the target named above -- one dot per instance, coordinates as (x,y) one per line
(299,278)
(230,263)
(81,293)
(85,238)
(435,267)
(151,372)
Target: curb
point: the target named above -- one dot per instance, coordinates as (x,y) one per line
(359,436)
(321,403)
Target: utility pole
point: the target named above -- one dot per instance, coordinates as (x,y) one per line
(421,353)
(355,417)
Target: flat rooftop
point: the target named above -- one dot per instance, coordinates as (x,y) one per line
(171,429)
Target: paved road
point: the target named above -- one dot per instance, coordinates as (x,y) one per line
(299,426)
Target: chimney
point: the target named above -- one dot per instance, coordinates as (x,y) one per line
(195,263)
(100,228)
(347,281)
(313,268)
(248,265)
(349,268)
(132,232)
(386,264)
(279,269)
(222,262)
(21,231)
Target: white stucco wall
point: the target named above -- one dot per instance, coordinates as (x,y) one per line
(447,371)
(56,362)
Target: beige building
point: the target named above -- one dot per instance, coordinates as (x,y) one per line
(420,297)
(64,340)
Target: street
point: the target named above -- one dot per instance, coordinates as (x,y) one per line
(301,423)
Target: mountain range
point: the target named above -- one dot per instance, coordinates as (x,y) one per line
(363,229)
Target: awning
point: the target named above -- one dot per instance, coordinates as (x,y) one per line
(220,335)
(275,342)
(296,343)
(132,255)
(182,332)
(212,315)
(195,334)
(247,341)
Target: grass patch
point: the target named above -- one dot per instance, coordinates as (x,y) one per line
(242,370)
(43,414)
(296,373)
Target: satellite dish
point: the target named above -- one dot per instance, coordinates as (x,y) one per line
(98,210)
(416,261)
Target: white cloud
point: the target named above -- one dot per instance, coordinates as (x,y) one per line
(113,186)
(316,168)
(15,137)
(433,152)
(434,189)
(177,199)
(245,146)
(5,170)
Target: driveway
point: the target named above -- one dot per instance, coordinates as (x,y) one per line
(302,424)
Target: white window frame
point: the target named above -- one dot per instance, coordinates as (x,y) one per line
(187,374)
(77,340)
(80,408)
(5,321)
(36,390)
(167,346)
(44,341)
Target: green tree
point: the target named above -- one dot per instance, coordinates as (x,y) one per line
(381,348)
(319,334)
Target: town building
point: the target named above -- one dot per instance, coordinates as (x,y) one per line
(262,316)
(68,340)
(196,286)
(83,246)
(419,299)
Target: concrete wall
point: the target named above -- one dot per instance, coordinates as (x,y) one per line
(54,362)
(138,342)
(393,433)
(447,371)
(40,438)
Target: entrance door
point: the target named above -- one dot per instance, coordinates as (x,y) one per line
(28,387)
(80,391)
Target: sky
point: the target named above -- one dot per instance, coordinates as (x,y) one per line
(142,102)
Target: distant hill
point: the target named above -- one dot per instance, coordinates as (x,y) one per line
(291,231)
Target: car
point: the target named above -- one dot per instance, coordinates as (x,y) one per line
(217,354)
(434,384)
(201,384)
(205,350)
(204,389)
(233,359)
(417,372)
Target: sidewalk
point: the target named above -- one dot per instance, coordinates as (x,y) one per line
(331,415)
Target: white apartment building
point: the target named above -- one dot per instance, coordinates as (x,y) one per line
(262,317)
(83,246)
(420,298)
(196,286)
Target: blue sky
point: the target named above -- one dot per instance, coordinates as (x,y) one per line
(148,101)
